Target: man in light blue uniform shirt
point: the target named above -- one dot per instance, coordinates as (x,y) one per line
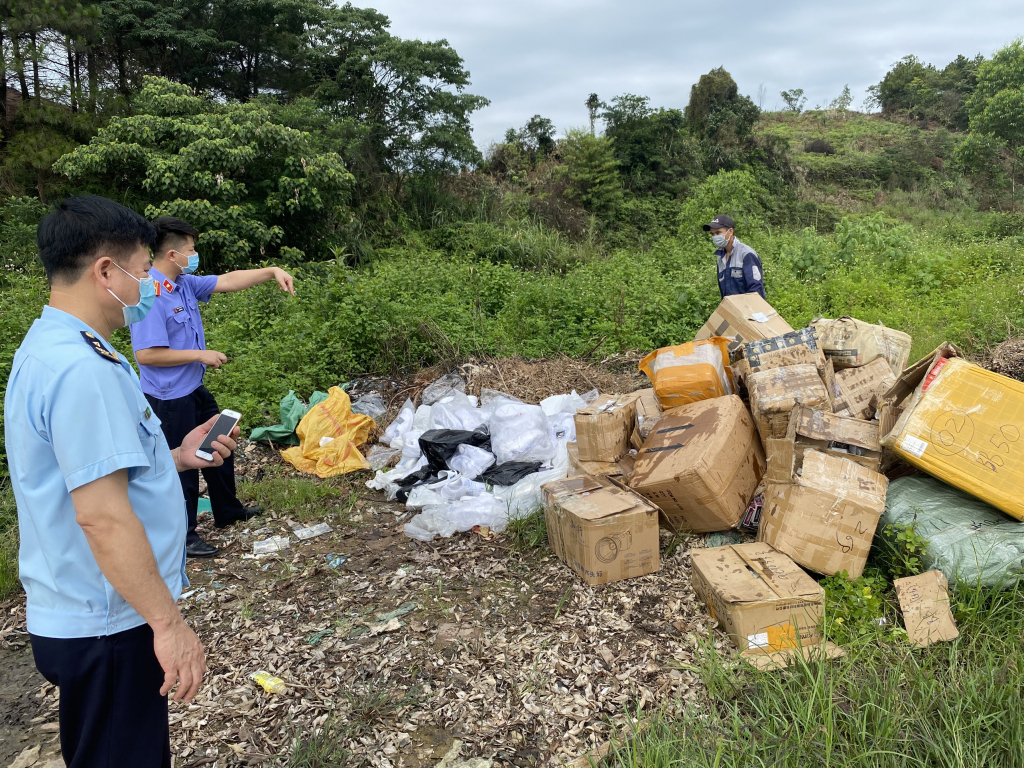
(100,508)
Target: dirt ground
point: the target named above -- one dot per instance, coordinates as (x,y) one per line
(403,649)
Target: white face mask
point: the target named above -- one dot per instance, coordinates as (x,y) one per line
(719,241)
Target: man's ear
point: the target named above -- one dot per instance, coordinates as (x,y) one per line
(102,268)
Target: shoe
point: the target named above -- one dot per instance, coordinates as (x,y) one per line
(247,513)
(196,547)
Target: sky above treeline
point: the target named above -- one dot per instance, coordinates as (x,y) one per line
(545,56)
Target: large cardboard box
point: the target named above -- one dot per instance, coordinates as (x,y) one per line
(701,465)
(796,348)
(825,516)
(623,467)
(775,392)
(851,343)
(761,597)
(685,373)
(603,532)
(604,427)
(962,424)
(817,430)
(742,318)
(857,392)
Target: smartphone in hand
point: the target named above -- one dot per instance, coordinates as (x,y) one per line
(223,426)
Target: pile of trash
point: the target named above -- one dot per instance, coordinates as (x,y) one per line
(465,461)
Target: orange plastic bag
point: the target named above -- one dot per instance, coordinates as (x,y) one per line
(329,437)
(686,373)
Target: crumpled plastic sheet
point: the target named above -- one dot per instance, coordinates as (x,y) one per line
(443,387)
(381,456)
(456,411)
(371,404)
(471,461)
(521,432)
(402,424)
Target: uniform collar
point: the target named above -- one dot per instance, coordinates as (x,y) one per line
(59,316)
(162,280)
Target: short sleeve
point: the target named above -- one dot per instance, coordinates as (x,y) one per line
(202,286)
(151,331)
(93,428)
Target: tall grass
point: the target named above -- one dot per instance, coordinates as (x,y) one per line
(8,540)
(884,705)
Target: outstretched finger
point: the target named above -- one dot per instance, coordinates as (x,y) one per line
(169,679)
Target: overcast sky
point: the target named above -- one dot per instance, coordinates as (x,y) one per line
(530,57)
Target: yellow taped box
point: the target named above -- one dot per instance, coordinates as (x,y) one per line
(603,532)
(851,343)
(964,425)
(701,465)
(743,318)
(622,467)
(775,392)
(817,430)
(686,373)
(604,427)
(825,516)
(760,597)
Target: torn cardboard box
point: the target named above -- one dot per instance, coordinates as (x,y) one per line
(796,348)
(825,516)
(623,467)
(701,465)
(774,393)
(760,597)
(857,392)
(851,343)
(604,427)
(818,430)
(648,412)
(686,373)
(601,531)
(924,600)
(962,424)
(742,318)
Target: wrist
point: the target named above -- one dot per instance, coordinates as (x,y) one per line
(164,624)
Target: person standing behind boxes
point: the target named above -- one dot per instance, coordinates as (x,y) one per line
(170,348)
(739,266)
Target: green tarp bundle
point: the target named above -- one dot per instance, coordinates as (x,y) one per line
(292,411)
(968,540)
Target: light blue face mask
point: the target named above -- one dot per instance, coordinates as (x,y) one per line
(719,241)
(134,313)
(193,263)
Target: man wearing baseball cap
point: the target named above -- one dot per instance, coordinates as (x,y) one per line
(739,266)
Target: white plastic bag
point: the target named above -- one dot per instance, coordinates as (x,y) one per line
(561,413)
(426,525)
(388,481)
(411,445)
(521,432)
(471,461)
(524,498)
(456,411)
(421,421)
(403,423)
(446,519)
(459,487)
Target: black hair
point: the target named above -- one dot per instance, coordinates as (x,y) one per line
(71,236)
(171,231)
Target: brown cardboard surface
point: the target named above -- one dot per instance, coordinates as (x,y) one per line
(623,467)
(767,662)
(774,393)
(604,427)
(602,531)
(924,600)
(761,597)
(701,464)
(825,516)
(852,343)
(742,318)
(857,391)
(814,429)
(648,412)
(796,348)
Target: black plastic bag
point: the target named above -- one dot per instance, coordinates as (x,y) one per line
(439,445)
(425,475)
(509,473)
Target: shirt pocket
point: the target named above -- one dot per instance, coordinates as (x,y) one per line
(154,444)
(179,331)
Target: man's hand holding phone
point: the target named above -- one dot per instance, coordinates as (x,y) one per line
(185,457)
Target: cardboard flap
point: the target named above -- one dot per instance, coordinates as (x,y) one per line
(843,478)
(924,600)
(766,662)
(595,505)
(821,425)
(781,453)
(786,578)
(755,572)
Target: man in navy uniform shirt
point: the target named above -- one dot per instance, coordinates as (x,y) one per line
(739,266)
(100,509)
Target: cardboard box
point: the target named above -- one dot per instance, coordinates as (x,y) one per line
(648,412)
(962,424)
(701,465)
(604,427)
(760,597)
(825,516)
(743,318)
(603,532)
(857,392)
(621,468)
(796,348)
(851,343)
(686,373)
(774,393)
(817,430)
(924,600)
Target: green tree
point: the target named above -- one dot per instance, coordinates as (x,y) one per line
(794,99)
(250,184)
(592,171)
(721,117)
(593,104)
(923,92)
(997,105)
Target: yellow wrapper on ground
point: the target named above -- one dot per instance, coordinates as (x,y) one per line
(686,373)
(967,429)
(329,438)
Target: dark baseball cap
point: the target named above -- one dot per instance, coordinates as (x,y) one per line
(721,221)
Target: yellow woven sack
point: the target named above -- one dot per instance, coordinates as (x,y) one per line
(329,436)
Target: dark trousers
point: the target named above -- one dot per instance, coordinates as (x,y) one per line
(111,712)
(179,417)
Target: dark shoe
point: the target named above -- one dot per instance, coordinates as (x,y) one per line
(196,547)
(248,513)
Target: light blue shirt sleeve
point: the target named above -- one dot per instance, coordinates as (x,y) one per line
(94,430)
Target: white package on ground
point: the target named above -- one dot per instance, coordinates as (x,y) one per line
(521,432)
(461,515)
(561,413)
(456,411)
(421,421)
(471,461)
(388,481)
(524,498)
(403,423)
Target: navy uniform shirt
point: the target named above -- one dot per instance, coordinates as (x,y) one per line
(740,271)
(74,413)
